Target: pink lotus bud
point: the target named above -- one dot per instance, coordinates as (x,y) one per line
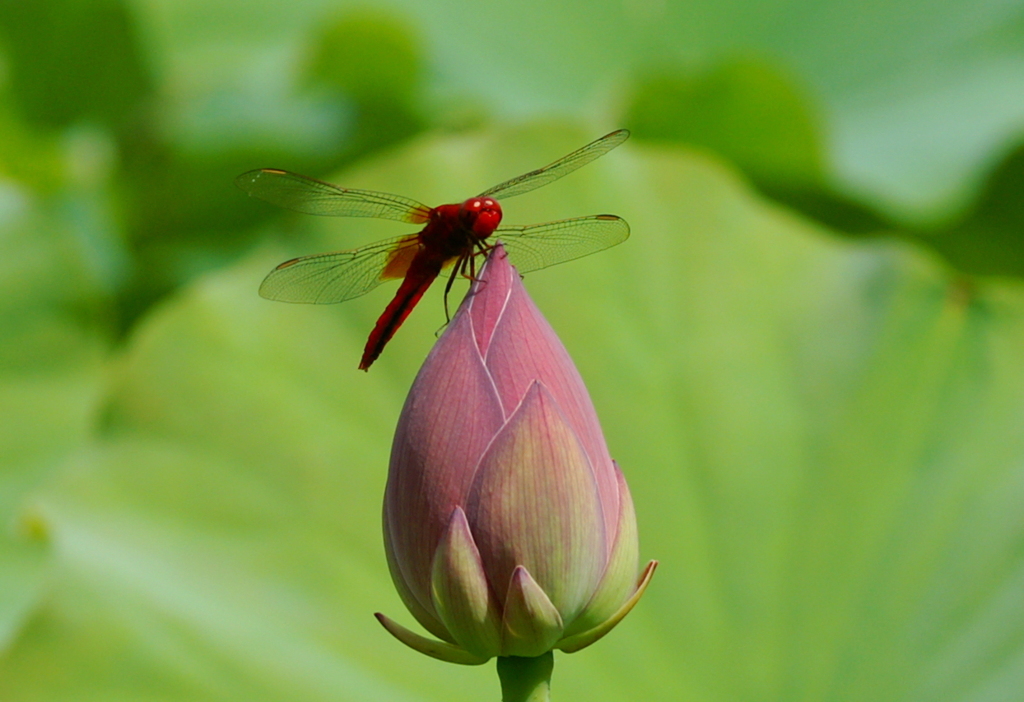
(509,530)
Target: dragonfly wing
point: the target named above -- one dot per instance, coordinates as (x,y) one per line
(538,246)
(312,196)
(339,276)
(562,167)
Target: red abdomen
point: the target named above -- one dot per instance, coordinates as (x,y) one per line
(421,274)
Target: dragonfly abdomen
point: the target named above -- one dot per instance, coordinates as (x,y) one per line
(421,274)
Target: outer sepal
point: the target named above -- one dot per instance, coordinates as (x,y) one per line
(572,644)
(435,649)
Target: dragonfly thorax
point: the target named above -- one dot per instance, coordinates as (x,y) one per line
(480,215)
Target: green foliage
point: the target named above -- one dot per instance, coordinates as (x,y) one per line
(369,56)
(52,350)
(990,239)
(750,113)
(743,110)
(72,60)
(374,63)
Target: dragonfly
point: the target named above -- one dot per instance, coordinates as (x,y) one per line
(453,236)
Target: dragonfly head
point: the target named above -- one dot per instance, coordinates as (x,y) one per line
(481,215)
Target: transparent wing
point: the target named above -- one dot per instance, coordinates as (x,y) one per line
(312,196)
(339,276)
(562,167)
(537,246)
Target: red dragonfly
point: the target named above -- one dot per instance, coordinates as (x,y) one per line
(453,236)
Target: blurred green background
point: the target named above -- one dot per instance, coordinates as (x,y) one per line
(808,359)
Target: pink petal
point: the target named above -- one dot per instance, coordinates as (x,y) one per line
(488,296)
(520,347)
(449,418)
(535,504)
(531,624)
(427,618)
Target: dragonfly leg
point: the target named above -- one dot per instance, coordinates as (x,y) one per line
(447,288)
(483,250)
(471,262)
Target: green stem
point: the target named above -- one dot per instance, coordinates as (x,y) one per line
(526,679)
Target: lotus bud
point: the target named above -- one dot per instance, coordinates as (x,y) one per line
(508,528)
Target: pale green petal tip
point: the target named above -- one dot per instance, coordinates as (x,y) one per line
(619,580)
(572,644)
(460,592)
(430,647)
(531,624)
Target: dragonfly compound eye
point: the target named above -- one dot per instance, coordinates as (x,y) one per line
(481,215)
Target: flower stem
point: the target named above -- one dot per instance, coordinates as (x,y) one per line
(526,679)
